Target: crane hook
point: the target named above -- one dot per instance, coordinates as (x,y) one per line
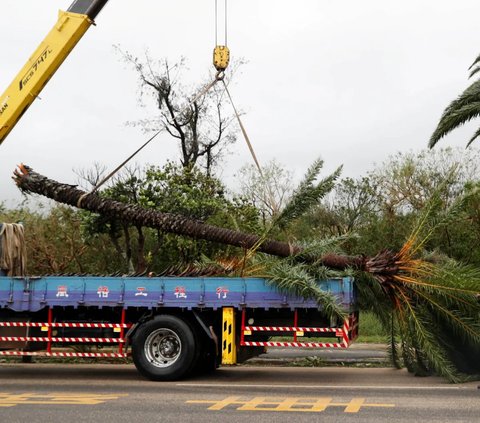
(221,57)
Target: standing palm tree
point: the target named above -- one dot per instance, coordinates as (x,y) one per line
(460,111)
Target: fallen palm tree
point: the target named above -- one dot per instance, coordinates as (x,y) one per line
(429,309)
(32,182)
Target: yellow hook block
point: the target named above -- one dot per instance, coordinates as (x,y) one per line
(221,57)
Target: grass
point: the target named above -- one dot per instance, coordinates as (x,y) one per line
(369,325)
(370,329)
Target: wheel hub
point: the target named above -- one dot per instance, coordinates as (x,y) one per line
(163,347)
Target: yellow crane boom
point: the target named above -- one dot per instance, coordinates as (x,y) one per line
(45,61)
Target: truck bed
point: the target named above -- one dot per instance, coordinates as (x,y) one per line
(35,293)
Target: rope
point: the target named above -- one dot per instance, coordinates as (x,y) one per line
(14,253)
(218,77)
(124,163)
(252,152)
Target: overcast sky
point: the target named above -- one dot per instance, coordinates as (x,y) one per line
(353,80)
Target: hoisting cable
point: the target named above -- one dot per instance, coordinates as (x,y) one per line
(221,53)
(226,22)
(218,77)
(216,22)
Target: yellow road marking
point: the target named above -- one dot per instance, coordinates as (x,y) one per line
(218,405)
(308,404)
(10,400)
(354,405)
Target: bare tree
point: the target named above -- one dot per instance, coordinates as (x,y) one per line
(204,129)
(89,178)
(277,185)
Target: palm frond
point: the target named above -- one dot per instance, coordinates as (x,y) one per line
(298,281)
(392,349)
(433,306)
(477,60)
(474,71)
(469,96)
(313,251)
(474,137)
(453,120)
(458,112)
(307,194)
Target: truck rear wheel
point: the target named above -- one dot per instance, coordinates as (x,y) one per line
(164,348)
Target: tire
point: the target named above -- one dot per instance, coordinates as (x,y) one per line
(198,350)
(208,361)
(164,348)
(205,360)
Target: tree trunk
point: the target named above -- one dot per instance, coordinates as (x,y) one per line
(32,182)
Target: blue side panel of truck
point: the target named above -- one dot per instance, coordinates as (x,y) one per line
(33,294)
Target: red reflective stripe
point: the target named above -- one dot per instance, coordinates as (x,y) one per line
(66,325)
(293,344)
(54,339)
(288,329)
(59,354)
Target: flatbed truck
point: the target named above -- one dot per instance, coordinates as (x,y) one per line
(170,326)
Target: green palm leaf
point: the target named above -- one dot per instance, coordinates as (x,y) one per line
(307,194)
(460,111)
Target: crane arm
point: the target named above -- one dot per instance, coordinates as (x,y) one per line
(47,58)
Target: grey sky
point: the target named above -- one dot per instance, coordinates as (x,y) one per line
(353,80)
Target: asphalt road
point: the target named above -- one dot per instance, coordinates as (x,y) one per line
(117,393)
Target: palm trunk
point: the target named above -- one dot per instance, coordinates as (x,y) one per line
(32,182)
